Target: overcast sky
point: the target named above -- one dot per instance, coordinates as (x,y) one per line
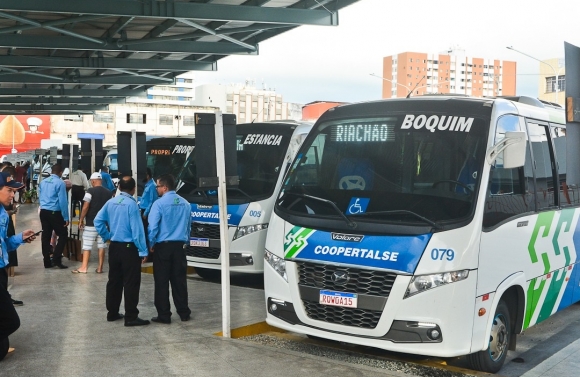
(316,63)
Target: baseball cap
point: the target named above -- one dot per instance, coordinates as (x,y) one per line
(96,176)
(7,180)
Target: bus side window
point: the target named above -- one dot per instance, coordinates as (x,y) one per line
(510,191)
(568,193)
(545,193)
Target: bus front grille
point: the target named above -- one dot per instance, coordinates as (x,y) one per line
(372,286)
(366,319)
(361,281)
(203,252)
(211,231)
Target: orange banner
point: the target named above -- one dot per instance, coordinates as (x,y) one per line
(23,132)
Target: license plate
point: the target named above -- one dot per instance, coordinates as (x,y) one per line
(347,300)
(199,242)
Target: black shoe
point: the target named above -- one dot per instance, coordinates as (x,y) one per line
(60,266)
(115,317)
(161,320)
(186,318)
(48,265)
(17,302)
(137,322)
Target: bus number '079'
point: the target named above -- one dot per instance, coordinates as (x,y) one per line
(440,254)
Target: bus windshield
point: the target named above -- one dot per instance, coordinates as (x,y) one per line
(113,161)
(260,156)
(402,169)
(167,155)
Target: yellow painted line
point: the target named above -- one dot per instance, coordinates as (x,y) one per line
(147,268)
(253,329)
(265,329)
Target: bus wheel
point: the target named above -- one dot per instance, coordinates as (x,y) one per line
(208,273)
(491,360)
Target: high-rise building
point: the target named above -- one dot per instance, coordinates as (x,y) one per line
(451,72)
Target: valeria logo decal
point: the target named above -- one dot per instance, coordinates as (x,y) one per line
(346,237)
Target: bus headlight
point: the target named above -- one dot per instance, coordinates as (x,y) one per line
(248,229)
(423,283)
(277,263)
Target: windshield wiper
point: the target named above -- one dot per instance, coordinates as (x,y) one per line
(398,212)
(240,191)
(348,221)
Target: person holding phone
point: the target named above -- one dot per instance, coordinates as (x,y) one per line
(12,209)
(9,320)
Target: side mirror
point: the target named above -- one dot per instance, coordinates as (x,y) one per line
(513,147)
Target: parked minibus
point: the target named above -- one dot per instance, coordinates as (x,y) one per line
(434,225)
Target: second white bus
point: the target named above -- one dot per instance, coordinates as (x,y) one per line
(264,153)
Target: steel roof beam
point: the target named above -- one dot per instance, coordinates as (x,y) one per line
(25,20)
(11,70)
(62,21)
(60,100)
(72,92)
(170,9)
(213,32)
(106,63)
(66,108)
(145,75)
(200,34)
(100,80)
(70,43)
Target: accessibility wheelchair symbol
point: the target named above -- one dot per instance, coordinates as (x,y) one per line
(357,205)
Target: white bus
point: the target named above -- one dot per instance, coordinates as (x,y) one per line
(264,152)
(439,226)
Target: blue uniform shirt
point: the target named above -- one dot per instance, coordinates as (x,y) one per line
(53,195)
(169,219)
(107,181)
(7,243)
(148,197)
(122,217)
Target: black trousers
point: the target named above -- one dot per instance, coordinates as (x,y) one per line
(9,320)
(52,221)
(124,276)
(77,192)
(170,266)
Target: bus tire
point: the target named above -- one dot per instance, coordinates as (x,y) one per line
(491,360)
(208,273)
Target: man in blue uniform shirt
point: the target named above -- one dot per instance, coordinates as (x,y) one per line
(54,216)
(169,227)
(120,222)
(147,199)
(107,181)
(9,320)
(149,195)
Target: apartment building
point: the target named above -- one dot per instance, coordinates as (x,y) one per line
(547,90)
(451,72)
(248,103)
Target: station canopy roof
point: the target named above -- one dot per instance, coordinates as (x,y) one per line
(78,56)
